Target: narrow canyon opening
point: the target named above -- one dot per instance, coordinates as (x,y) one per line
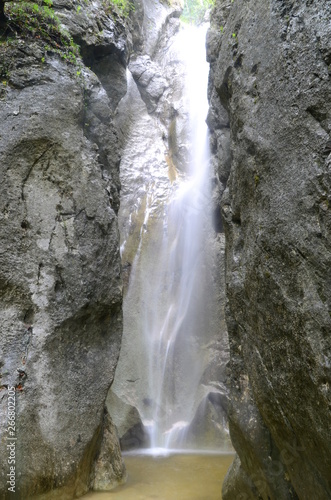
(169,396)
(169,389)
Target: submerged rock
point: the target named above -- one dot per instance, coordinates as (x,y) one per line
(270,83)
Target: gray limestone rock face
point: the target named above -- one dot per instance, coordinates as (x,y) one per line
(110,469)
(154,21)
(270,94)
(128,423)
(208,428)
(60,271)
(149,80)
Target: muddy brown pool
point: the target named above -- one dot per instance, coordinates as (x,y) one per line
(176,477)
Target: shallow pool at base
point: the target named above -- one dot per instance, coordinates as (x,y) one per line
(177,477)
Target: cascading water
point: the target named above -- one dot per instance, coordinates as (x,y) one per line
(173,324)
(169,310)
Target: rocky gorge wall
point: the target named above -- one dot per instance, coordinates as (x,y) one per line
(60,272)
(270,94)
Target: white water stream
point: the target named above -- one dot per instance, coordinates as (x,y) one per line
(167,310)
(173,325)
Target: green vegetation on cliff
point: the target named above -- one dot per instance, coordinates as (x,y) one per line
(121,7)
(38,20)
(195,10)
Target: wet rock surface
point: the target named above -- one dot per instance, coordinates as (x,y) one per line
(60,272)
(208,428)
(149,80)
(128,423)
(270,115)
(109,470)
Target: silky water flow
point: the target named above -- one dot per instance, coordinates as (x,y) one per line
(173,325)
(170,303)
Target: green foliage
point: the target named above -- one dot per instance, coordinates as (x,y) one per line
(38,20)
(194,10)
(120,7)
(24,14)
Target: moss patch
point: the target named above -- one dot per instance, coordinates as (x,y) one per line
(38,20)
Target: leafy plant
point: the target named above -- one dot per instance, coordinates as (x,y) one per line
(194,10)
(38,20)
(121,7)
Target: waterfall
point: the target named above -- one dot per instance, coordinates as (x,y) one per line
(170,302)
(172,323)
